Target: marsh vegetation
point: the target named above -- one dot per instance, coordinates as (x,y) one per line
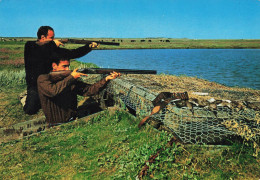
(109,145)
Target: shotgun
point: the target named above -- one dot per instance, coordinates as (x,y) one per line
(108,71)
(59,75)
(78,41)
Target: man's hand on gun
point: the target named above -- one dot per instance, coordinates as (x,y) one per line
(112,75)
(77,74)
(58,43)
(94,45)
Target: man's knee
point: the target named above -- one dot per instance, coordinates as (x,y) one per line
(32,102)
(31,108)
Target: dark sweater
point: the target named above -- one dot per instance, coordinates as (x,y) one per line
(38,58)
(59,99)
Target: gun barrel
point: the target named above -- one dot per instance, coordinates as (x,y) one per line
(77,41)
(108,71)
(59,75)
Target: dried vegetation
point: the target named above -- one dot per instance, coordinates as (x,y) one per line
(169,83)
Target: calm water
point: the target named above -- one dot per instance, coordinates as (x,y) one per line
(232,67)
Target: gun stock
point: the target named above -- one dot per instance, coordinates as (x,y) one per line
(77,41)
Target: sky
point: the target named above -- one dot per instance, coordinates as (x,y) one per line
(193,19)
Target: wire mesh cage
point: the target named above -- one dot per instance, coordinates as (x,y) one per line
(199,125)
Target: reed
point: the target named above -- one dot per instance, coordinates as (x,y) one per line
(12,78)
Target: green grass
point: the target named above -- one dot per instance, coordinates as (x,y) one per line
(107,146)
(12,78)
(11,56)
(110,146)
(159,43)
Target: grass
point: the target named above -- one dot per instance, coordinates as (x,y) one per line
(160,43)
(11,56)
(94,149)
(109,145)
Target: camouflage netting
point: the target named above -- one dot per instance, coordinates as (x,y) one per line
(215,122)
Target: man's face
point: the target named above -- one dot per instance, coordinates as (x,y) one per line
(63,65)
(49,37)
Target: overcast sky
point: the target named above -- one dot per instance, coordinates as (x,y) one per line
(194,19)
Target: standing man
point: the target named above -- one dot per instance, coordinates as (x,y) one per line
(37,60)
(58,95)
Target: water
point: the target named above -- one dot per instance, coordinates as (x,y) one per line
(231,67)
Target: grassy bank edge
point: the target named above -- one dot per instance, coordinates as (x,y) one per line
(110,146)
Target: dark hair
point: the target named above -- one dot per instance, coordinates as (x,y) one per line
(56,58)
(57,61)
(43,30)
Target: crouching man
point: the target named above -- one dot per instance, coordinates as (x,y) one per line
(58,92)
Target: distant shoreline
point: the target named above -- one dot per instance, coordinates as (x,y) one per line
(160,43)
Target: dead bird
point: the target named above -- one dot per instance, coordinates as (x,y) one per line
(194,101)
(225,103)
(211,100)
(203,103)
(212,106)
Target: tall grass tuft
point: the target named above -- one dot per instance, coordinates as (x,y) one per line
(17,78)
(12,79)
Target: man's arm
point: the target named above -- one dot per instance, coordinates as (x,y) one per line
(50,89)
(84,89)
(74,53)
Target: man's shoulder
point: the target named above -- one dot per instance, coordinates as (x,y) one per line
(43,77)
(30,43)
